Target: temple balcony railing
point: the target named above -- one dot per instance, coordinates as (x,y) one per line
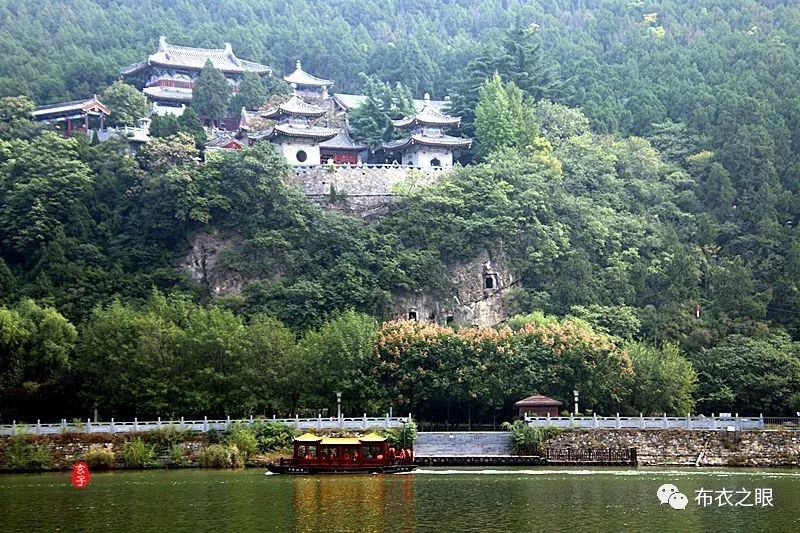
(333,167)
(128,132)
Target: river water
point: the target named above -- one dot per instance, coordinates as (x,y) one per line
(546,499)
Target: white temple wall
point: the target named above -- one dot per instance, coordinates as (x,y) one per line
(291,150)
(421,156)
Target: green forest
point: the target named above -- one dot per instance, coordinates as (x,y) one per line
(636,161)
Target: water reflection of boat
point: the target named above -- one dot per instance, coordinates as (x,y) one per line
(351,455)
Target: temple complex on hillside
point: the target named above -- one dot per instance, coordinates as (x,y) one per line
(310,88)
(294,133)
(427,145)
(310,127)
(168,75)
(78,116)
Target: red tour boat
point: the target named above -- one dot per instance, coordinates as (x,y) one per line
(338,455)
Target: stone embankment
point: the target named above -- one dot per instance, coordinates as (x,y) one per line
(64,449)
(692,447)
(653,447)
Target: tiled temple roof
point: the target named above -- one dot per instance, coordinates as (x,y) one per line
(427,116)
(442,141)
(180,94)
(76,106)
(170,55)
(343,141)
(538,400)
(294,106)
(222,139)
(351,101)
(301,130)
(303,78)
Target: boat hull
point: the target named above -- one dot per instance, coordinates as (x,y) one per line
(316,469)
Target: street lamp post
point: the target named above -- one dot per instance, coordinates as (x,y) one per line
(575,392)
(338,405)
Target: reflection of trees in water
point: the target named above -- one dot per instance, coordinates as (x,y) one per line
(348,502)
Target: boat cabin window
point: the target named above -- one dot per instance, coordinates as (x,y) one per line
(371,453)
(330,453)
(306,452)
(350,454)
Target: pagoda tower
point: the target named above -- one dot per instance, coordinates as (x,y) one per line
(427,145)
(309,87)
(294,132)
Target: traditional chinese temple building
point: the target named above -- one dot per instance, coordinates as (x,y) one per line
(168,75)
(294,132)
(79,116)
(427,145)
(309,87)
(342,149)
(225,141)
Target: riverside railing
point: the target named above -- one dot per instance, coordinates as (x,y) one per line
(319,423)
(722,423)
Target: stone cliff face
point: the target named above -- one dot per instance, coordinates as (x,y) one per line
(202,263)
(477,297)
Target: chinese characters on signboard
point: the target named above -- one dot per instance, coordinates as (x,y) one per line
(80,475)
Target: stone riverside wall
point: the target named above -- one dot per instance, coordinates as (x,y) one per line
(692,447)
(70,447)
(461,444)
(654,446)
(364,190)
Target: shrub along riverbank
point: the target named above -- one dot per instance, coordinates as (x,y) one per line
(168,447)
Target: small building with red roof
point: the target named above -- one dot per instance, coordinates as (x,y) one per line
(537,405)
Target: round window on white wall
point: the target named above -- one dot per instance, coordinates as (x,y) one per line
(301,156)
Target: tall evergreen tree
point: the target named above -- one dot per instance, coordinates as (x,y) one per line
(211,93)
(503,119)
(371,121)
(190,123)
(252,94)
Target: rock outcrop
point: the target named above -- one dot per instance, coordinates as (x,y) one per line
(202,263)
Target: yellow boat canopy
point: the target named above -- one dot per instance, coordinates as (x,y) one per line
(372,437)
(308,437)
(347,441)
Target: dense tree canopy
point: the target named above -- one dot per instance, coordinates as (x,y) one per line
(127,103)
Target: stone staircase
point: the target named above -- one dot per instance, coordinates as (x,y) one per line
(462,444)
